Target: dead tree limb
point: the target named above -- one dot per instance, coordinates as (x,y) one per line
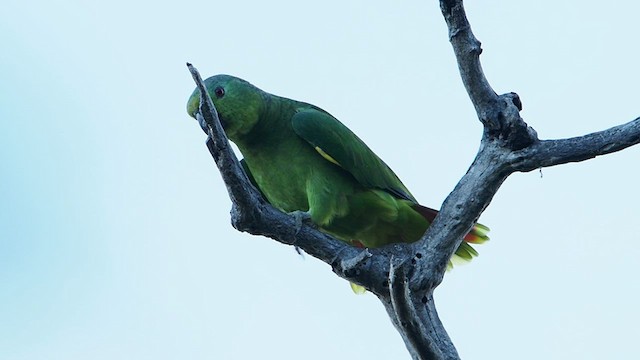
(403,276)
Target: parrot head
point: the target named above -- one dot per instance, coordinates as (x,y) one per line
(238,104)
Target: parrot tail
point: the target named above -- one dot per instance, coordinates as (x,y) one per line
(465,251)
(477,235)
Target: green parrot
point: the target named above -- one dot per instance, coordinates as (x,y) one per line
(303,159)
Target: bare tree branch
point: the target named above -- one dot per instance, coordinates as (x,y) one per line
(556,152)
(403,276)
(425,339)
(467,50)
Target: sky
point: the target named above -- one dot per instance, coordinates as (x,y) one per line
(115,238)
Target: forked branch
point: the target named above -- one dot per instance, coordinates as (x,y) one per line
(403,276)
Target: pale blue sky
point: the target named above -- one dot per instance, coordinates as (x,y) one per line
(115,239)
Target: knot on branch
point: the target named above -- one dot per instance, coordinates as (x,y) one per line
(350,267)
(506,125)
(365,267)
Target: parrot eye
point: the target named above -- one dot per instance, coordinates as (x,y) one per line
(219,91)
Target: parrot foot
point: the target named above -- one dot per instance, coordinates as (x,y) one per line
(301,217)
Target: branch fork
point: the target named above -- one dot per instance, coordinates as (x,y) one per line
(403,276)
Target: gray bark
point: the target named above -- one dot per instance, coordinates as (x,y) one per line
(403,276)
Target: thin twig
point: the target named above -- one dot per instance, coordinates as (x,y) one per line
(556,152)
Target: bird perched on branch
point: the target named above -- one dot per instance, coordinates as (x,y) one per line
(305,161)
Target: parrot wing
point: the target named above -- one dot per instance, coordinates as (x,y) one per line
(339,145)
